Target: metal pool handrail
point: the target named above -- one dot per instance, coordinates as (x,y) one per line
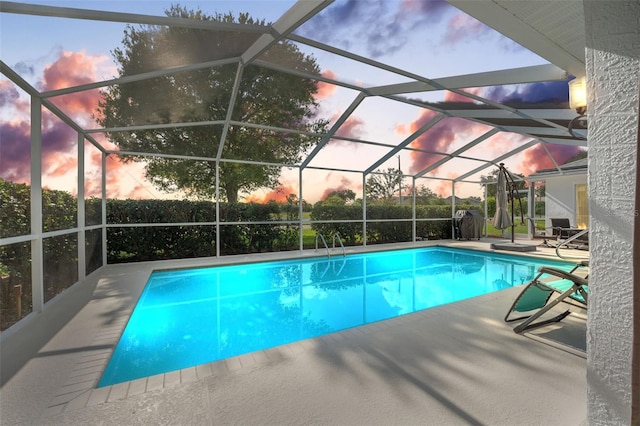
(337,235)
(323,242)
(568,240)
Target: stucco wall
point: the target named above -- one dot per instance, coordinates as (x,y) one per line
(560,197)
(613,49)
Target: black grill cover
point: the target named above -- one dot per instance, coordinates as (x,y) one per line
(468,225)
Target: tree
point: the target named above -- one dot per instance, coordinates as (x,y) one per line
(264,97)
(425,195)
(346,196)
(383,186)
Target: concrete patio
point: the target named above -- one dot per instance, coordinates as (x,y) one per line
(457,364)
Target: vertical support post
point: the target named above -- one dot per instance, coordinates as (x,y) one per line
(218,207)
(103,209)
(82,265)
(399,181)
(364,210)
(453,208)
(486,212)
(37,255)
(413,210)
(300,210)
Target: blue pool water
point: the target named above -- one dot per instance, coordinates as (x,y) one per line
(190,317)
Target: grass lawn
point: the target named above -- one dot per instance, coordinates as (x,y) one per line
(520,228)
(308,237)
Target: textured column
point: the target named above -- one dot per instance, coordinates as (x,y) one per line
(613,49)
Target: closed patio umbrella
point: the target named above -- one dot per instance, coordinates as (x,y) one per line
(502,220)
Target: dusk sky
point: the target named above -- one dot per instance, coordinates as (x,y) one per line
(429,38)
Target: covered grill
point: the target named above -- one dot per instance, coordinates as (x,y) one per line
(468,225)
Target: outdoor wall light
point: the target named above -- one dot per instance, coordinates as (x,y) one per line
(578,101)
(578,95)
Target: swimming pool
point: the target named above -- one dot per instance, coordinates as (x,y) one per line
(191,317)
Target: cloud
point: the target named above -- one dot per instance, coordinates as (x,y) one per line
(463,27)
(15,106)
(443,187)
(59,141)
(8,93)
(345,183)
(279,195)
(24,68)
(536,158)
(348,24)
(439,138)
(59,145)
(15,152)
(353,127)
(325,90)
(73,69)
(552,92)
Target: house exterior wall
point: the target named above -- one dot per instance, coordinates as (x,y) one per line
(560,197)
(612,65)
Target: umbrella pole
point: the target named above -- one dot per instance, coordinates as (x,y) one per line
(513,223)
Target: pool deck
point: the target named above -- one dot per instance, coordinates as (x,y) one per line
(457,364)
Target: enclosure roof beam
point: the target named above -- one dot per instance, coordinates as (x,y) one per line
(530,74)
(548,114)
(459,151)
(298,14)
(404,143)
(140,77)
(310,76)
(559,141)
(126,18)
(339,122)
(497,160)
(232,102)
(20,82)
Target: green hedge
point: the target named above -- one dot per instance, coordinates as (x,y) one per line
(382,223)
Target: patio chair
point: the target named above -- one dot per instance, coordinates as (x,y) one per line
(536,298)
(560,227)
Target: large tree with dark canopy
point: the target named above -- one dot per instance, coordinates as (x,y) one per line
(265,97)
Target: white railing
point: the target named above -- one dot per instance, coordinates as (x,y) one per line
(319,235)
(568,240)
(337,236)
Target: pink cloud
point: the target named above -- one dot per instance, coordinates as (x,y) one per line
(345,183)
(463,26)
(59,141)
(73,69)
(443,187)
(536,158)
(278,195)
(353,127)
(439,138)
(15,152)
(325,90)
(457,97)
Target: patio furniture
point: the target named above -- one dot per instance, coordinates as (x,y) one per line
(536,298)
(562,231)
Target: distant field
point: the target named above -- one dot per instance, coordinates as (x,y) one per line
(520,228)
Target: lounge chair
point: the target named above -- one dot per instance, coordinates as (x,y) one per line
(536,298)
(561,227)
